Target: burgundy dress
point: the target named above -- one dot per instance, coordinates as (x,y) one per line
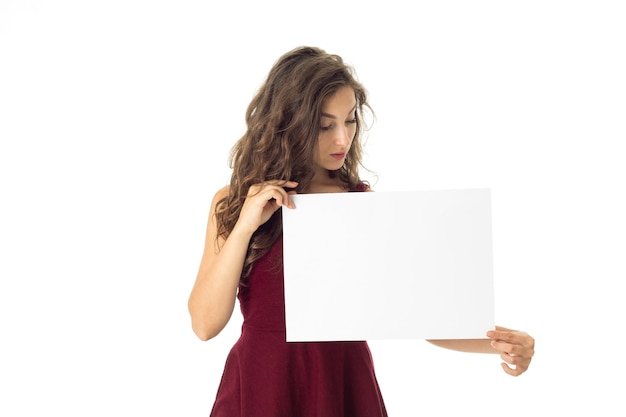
(265,376)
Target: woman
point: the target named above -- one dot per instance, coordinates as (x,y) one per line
(303,135)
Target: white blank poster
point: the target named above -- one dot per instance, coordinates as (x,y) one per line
(389,265)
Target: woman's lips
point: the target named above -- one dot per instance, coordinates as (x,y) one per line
(338,156)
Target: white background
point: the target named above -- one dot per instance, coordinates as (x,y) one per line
(116,119)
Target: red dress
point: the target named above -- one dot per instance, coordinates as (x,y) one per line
(265,376)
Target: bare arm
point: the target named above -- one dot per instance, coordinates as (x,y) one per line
(466,345)
(516,348)
(213,295)
(212,298)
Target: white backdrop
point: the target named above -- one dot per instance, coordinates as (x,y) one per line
(116,119)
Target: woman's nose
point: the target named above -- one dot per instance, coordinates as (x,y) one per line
(343,137)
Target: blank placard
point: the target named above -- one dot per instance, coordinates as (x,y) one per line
(389,265)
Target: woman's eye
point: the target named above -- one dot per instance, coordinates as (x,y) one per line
(351,121)
(326,127)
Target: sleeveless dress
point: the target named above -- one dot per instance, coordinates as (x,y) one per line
(265,376)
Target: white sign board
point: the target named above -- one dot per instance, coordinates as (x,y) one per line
(388,265)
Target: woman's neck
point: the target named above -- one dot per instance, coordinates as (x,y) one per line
(324,183)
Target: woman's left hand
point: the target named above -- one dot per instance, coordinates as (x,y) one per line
(516,349)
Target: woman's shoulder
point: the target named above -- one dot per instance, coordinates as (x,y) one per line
(220,194)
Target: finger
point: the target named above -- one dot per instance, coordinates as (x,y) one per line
(268,191)
(507,358)
(255,188)
(502,335)
(281,197)
(513,362)
(513,337)
(289,184)
(276,198)
(516,371)
(520,351)
(516,351)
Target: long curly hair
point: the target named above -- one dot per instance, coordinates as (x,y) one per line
(283,126)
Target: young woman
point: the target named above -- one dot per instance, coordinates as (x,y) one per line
(303,136)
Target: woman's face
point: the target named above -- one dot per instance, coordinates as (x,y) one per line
(337,129)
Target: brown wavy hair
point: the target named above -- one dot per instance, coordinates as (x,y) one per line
(283,126)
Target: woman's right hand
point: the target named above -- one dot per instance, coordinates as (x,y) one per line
(262,201)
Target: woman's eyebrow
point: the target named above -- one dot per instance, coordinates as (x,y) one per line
(330,116)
